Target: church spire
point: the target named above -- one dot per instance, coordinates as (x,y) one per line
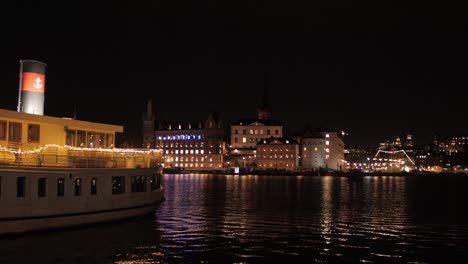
(149,110)
(148,126)
(264,112)
(265,93)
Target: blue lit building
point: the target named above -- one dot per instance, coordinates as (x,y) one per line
(187,145)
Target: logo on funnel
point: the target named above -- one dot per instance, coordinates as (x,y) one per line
(37,83)
(33,82)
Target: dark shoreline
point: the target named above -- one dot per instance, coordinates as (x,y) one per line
(311,173)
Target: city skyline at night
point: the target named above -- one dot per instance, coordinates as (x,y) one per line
(375,71)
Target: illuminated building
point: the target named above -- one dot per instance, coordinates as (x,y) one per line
(450,144)
(278,153)
(188,145)
(322,149)
(246,133)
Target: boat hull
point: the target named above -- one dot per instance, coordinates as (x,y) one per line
(33,212)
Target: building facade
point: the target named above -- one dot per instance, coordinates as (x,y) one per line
(187,145)
(322,149)
(277,154)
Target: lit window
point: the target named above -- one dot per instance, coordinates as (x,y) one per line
(93,186)
(327,142)
(77,186)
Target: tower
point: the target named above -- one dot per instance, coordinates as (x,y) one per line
(148,126)
(264,112)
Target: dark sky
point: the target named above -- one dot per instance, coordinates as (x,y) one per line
(376,69)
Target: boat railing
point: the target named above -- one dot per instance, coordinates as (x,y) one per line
(74,157)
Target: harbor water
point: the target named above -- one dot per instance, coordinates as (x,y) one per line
(210,218)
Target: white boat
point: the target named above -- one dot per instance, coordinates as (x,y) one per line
(61,172)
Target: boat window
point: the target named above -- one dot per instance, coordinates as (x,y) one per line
(14,132)
(109,140)
(60,186)
(70,138)
(93,186)
(77,186)
(81,138)
(3,127)
(91,139)
(118,184)
(20,186)
(155,181)
(139,183)
(33,132)
(99,140)
(41,187)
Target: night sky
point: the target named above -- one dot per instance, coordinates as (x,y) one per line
(376,69)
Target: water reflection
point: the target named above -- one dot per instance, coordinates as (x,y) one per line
(119,242)
(250,219)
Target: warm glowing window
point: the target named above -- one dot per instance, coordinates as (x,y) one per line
(70,138)
(81,138)
(109,140)
(77,186)
(100,140)
(93,186)
(14,132)
(3,127)
(327,135)
(91,140)
(327,142)
(244,140)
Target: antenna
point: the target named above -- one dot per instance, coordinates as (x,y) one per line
(74,111)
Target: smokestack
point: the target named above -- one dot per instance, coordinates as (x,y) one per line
(31,87)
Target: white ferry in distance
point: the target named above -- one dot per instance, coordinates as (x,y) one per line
(61,172)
